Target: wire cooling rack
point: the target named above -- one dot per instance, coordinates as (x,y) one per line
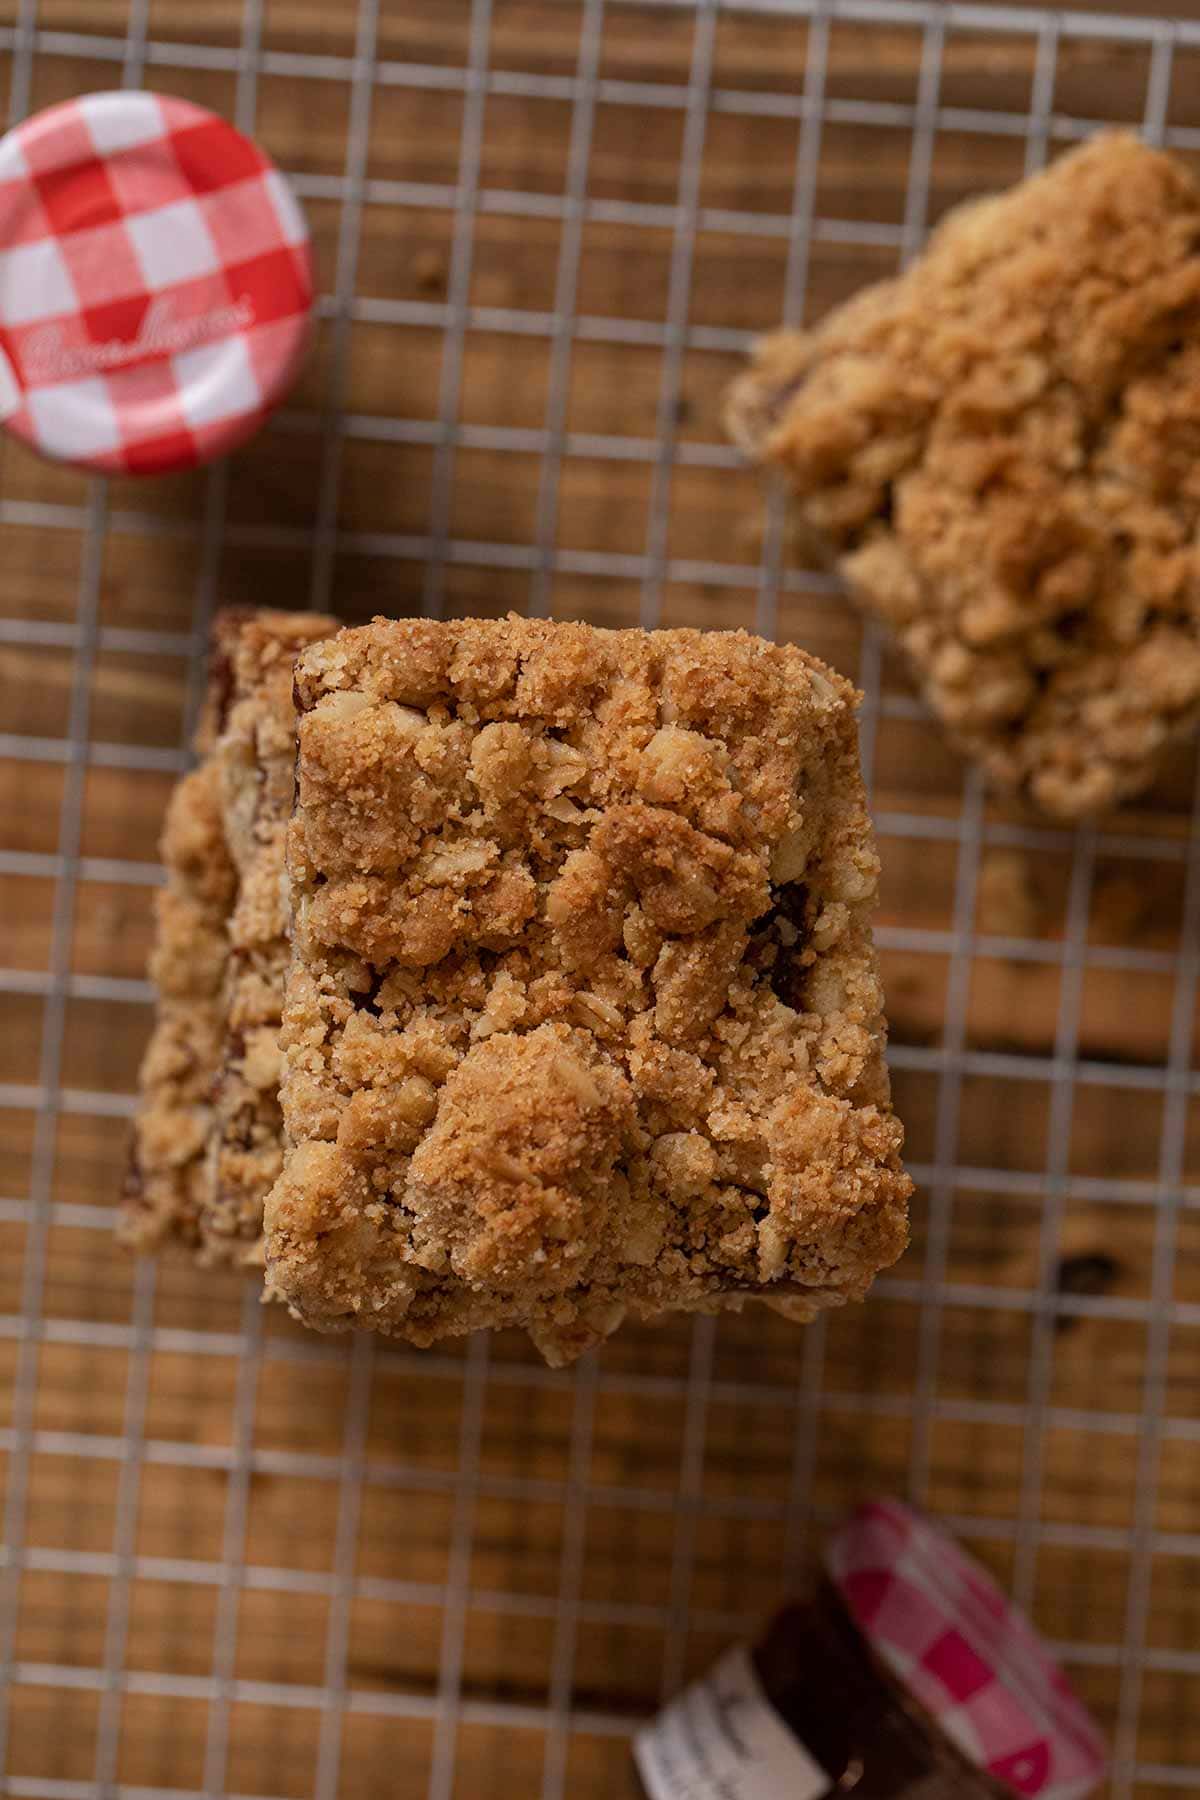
(242,1559)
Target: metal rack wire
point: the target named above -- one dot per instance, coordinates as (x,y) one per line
(118,1374)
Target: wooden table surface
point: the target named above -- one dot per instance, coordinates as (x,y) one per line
(635,1517)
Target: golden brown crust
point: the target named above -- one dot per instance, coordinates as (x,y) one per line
(999,452)
(169,1173)
(254,755)
(583,1015)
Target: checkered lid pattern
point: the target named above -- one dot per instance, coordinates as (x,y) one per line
(155,283)
(963,1651)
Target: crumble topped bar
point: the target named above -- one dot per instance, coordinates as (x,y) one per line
(998,451)
(254,754)
(168,1178)
(583,1016)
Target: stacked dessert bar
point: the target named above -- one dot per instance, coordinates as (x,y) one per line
(548,999)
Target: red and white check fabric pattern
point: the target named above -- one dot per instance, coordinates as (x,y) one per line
(155,283)
(965,1653)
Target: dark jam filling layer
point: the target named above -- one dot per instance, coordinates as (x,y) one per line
(872,1739)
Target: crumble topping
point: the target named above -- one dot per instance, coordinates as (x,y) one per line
(583,1016)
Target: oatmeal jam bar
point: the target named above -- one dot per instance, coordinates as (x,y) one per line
(168,1175)
(583,1016)
(1000,452)
(255,757)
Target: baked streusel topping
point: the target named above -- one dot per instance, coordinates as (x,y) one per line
(1000,452)
(583,1016)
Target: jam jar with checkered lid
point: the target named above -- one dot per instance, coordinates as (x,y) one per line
(156,284)
(903,1672)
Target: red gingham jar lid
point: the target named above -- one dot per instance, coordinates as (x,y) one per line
(964,1652)
(155,283)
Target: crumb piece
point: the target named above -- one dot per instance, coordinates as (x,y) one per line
(254,755)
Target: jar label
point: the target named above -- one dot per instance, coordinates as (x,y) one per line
(723,1740)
